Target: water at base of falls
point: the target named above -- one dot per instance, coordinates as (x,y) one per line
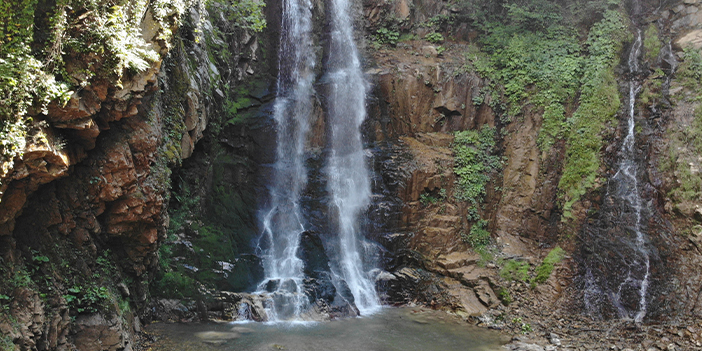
(391,329)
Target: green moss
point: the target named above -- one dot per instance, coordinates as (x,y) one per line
(176,285)
(515,270)
(544,270)
(684,147)
(6,343)
(689,72)
(652,43)
(478,236)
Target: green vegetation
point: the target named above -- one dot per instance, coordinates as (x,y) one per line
(435,38)
(515,270)
(428,199)
(689,73)
(86,299)
(652,43)
(534,55)
(684,148)
(504,296)
(478,236)
(474,162)
(246,14)
(385,36)
(524,327)
(544,270)
(599,102)
(23,81)
(6,343)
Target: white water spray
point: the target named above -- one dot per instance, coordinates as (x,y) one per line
(283,223)
(626,176)
(349,181)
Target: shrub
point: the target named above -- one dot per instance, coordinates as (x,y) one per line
(387,36)
(435,38)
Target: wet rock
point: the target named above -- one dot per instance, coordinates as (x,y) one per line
(95,332)
(522,346)
(553,338)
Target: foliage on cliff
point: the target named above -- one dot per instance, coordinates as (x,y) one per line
(534,54)
(23,81)
(599,102)
(685,146)
(47,51)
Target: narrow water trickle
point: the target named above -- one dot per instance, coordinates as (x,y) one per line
(283,222)
(349,180)
(619,262)
(627,178)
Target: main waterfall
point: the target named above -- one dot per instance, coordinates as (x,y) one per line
(347,176)
(283,223)
(349,183)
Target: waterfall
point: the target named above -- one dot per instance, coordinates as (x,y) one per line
(619,262)
(628,190)
(348,177)
(349,181)
(283,222)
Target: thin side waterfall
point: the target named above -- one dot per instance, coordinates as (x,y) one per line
(627,178)
(283,222)
(616,246)
(349,181)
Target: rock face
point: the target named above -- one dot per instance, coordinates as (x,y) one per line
(83,210)
(421,96)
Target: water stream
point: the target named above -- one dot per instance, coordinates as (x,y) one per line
(347,175)
(283,222)
(618,259)
(349,181)
(628,190)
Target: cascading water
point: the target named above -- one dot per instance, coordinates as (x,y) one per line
(283,223)
(627,178)
(619,262)
(348,178)
(349,182)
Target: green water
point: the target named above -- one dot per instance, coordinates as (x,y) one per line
(391,329)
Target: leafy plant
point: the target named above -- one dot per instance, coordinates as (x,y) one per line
(651,43)
(247,14)
(474,162)
(89,299)
(6,343)
(435,38)
(478,235)
(386,36)
(599,102)
(504,296)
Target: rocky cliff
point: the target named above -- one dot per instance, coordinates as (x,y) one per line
(86,180)
(493,131)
